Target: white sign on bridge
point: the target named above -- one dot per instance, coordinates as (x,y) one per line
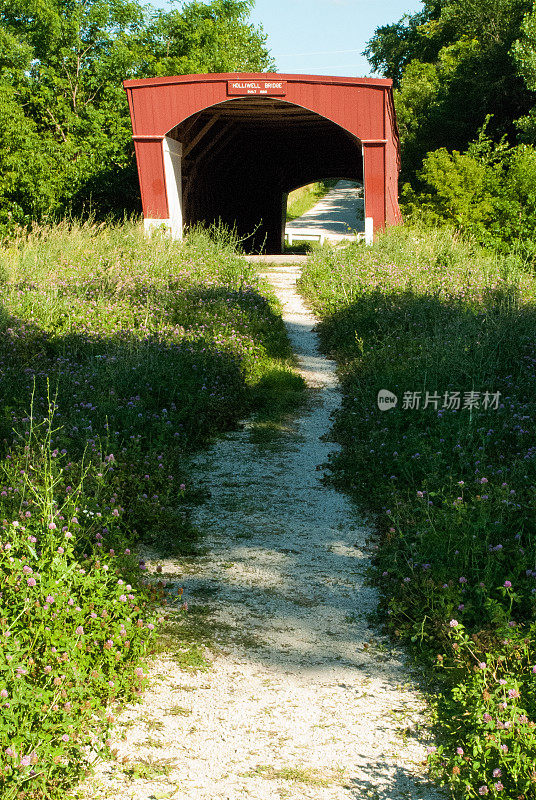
(242,87)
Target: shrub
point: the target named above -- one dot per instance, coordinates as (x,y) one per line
(486,193)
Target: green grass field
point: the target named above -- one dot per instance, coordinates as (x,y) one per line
(450,474)
(302,199)
(120,355)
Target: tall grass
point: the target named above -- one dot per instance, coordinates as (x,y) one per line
(120,354)
(453,488)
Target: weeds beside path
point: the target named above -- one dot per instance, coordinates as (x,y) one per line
(120,354)
(286,691)
(449,473)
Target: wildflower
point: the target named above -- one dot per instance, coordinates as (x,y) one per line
(459,750)
(52,526)
(123,598)
(482,665)
(497,772)
(31,582)
(513,693)
(483,480)
(483,790)
(431,749)
(65,737)
(61,550)
(25,761)
(4,693)
(80,631)
(498,786)
(453,623)
(486,717)
(50,598)
(462,580)
(9,752)
(182,487)
(507,585)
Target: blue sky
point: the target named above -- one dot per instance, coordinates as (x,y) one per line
(325,37)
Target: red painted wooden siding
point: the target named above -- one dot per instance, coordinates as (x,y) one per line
(362,106)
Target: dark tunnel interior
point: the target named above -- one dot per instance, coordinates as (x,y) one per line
(242,157)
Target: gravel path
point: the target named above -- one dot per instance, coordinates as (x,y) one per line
(338,215)
(303,699)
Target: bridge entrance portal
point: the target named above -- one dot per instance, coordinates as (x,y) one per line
(231,147)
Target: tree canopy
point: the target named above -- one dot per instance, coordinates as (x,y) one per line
(464,73)
(65,134)
(454,64)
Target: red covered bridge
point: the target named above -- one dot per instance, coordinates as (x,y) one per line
(231,146)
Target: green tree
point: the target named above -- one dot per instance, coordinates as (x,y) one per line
(64,61)
(215,37)
(456,68)
(28,187)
